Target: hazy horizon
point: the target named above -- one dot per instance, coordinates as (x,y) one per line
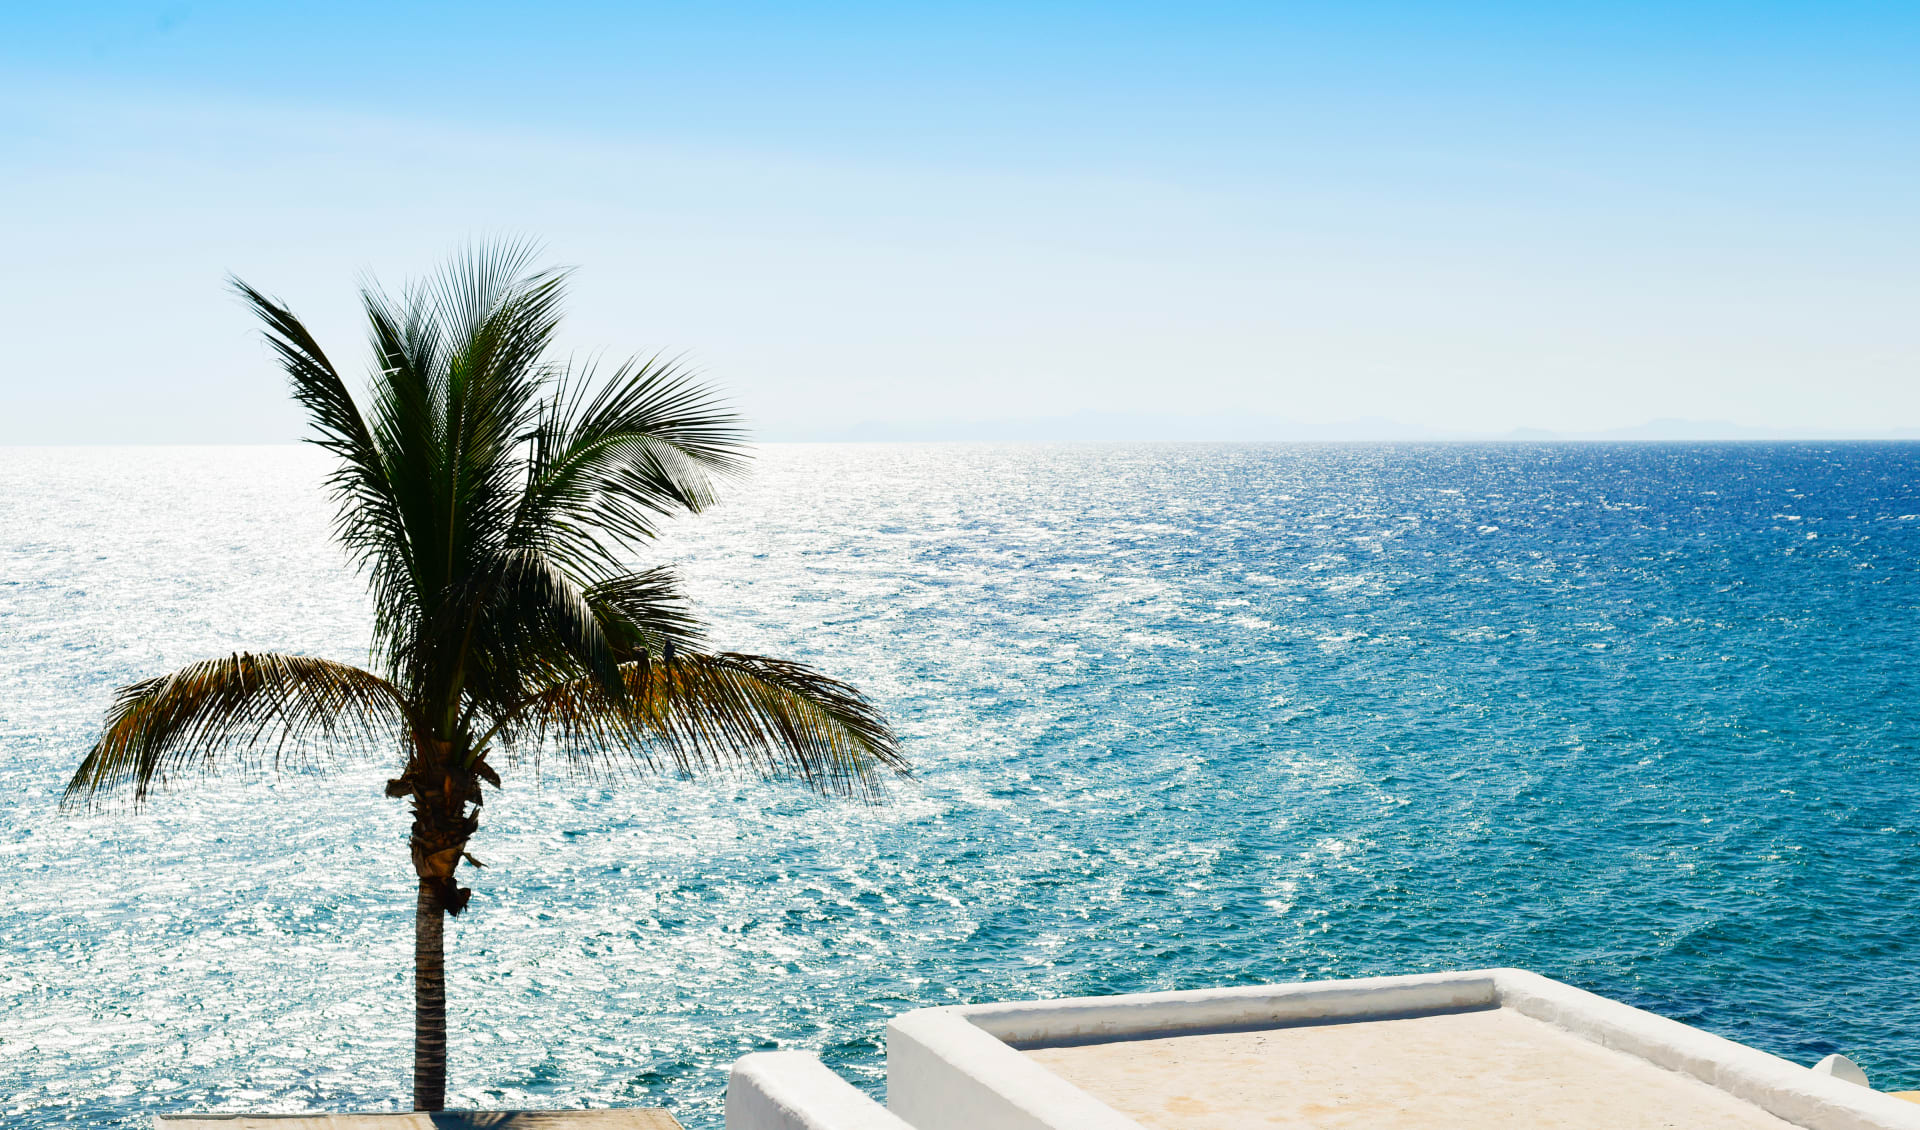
(1116,428)
(1467,222)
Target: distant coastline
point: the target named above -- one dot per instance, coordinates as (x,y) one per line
(1114,427)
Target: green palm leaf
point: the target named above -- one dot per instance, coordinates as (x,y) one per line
(611,458)
(253,706)
(697,713)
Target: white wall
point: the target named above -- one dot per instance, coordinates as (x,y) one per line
(795,1091)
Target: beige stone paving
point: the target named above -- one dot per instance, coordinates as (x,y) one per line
(1459,1071)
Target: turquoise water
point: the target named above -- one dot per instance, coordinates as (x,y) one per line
(1638,717)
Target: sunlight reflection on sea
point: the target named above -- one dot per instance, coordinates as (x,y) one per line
(1637,717)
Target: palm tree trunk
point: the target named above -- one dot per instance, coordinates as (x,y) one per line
(429,1002)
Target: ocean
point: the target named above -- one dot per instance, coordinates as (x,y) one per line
(1639,717)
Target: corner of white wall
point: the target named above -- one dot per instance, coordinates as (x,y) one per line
(795,1091)
(946,1073)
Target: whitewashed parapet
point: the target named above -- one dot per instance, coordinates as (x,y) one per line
(795,1091)
(944,1073)
(961,1067)
(1783,1089)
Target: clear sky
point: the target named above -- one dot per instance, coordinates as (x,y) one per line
(1458,216)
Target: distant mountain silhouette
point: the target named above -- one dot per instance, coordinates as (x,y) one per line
(1112,427)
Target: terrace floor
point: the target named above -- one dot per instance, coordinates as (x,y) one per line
(1455,1071)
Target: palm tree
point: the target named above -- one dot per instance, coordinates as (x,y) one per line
(489,494)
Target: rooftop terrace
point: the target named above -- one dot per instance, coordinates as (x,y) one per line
(1451,1071)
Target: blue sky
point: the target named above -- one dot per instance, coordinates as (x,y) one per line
(1461,217)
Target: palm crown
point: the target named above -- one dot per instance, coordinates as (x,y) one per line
(490,495)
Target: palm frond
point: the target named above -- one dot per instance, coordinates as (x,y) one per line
(701,713)
(457,393)
(532,626)
(372,518)
(644,612)
(610,458)
(258,707)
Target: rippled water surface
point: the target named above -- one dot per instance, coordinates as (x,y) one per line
(1639,717)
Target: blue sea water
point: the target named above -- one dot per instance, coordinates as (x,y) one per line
(1640,717)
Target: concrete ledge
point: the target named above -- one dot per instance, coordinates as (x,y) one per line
(637,1118)
(944,1073)
(1086,1020)
(795,1091)
(1777,1086)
